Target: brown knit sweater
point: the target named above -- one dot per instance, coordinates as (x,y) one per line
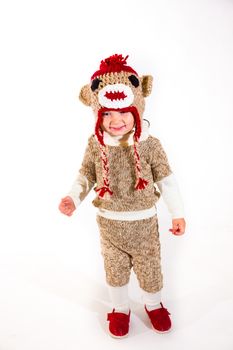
(122,177)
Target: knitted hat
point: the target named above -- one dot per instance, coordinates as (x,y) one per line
(117,86)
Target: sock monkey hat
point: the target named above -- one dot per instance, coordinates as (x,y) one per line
(117,86)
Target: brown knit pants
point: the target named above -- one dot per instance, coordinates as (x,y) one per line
(127,244)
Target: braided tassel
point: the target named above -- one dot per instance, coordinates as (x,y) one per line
(140,182)
(104,191)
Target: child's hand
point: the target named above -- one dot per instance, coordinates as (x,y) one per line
(178,226)
(67,206)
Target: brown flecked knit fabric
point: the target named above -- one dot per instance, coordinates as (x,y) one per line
(126,244)
(122,175)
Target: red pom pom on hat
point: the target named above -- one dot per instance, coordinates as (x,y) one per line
(114,63)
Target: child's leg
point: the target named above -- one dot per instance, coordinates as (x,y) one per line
(119,298)
(151,300)
(146,263)
(146,259)
(117,263)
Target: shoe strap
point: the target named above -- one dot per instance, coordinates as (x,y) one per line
(118,316)
(161,311)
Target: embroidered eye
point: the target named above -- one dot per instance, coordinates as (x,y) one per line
(95,84)
(134,80)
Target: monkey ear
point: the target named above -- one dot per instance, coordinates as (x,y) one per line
(146,84)
(85,95)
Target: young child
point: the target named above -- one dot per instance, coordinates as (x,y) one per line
(125,163)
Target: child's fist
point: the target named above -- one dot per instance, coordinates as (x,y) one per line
(178,226)
(67,206)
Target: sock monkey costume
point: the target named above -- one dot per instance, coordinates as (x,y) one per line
(124,170)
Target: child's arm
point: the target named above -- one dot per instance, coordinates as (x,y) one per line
(169,190)
(168,187)
(82,185)
(79,190)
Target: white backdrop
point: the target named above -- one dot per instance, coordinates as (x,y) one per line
(53,292)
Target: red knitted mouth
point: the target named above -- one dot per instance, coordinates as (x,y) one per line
(116,95)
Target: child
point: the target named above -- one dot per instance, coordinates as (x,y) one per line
(125,162)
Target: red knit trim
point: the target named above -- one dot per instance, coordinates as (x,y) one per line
(114,63)
(98,130)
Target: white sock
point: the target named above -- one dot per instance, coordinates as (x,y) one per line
(151,300)
(119,298)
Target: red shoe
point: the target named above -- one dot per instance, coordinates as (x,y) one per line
(160,319)
(118,324)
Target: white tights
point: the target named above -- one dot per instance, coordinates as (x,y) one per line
(120,300)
